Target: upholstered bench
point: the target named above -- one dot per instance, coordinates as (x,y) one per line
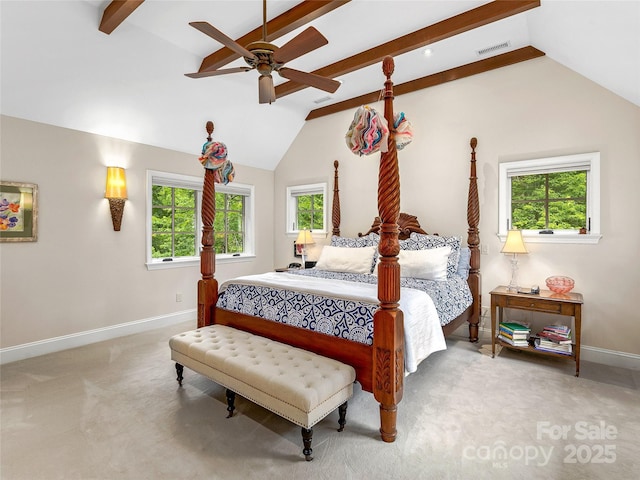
(298,385)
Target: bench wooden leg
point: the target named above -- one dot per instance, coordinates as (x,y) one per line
(179,369)
(231,398)
(342,411)
(307,434)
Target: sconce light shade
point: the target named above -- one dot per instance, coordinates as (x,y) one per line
(116,192)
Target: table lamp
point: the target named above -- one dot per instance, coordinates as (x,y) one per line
(304,239)
(514,245)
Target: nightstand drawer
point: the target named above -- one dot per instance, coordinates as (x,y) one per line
(534,303)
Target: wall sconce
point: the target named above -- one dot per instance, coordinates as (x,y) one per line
(514,244)
(304,239)
(116,192)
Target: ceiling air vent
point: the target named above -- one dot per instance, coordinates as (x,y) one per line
(322,99)
(493,48)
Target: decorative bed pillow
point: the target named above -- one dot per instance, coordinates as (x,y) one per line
(370,240)
(346,259)
(420,241)
(464,264)
(429,264)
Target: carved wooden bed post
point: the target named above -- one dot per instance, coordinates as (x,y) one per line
(473,241)
(208,286)
(335,213)
(388,325)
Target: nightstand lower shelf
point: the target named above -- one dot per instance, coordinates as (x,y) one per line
(537,351)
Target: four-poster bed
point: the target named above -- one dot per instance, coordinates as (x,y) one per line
(380,366)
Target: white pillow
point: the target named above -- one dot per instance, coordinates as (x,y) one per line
(430,264)
(344,259)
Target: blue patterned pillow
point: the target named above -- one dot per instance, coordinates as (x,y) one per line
(347,242)
(464,264)
(420,241)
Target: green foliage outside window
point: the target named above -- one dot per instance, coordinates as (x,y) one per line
(229,223)
(549,201)
(309,212)
(173,222)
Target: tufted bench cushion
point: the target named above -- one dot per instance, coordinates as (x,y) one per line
(298,385)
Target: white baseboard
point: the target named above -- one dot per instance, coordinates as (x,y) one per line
(612,358)
(56,344)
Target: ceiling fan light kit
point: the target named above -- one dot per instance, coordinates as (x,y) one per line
(265,58)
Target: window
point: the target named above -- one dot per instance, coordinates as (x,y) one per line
(174,224)
(555,194)
(307,208)
(233,225)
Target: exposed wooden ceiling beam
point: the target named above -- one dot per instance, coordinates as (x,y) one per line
(116,13)
(293,18)
(481,66)
(477,17)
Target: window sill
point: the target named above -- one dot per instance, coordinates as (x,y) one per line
(575,238)
(245,257)
(195,261)
(175,263)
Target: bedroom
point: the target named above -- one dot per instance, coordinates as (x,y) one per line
(103,271)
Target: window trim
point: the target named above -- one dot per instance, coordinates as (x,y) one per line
(308,189)
(189,181)
(582,161)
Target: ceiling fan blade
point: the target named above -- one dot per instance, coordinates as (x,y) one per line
(311,79)
(305,42)
(266,90)
(223,71)
(216,34)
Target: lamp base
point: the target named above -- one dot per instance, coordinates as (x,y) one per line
(513,285)
(117,209)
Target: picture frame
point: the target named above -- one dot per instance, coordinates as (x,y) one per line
(18,212)
(297,250)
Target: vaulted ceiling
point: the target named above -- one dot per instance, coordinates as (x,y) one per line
(117,68)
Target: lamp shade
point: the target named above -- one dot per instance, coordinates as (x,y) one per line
(116,183)
(514,243)
(304,238)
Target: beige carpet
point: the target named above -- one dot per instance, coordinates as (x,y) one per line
(114,411)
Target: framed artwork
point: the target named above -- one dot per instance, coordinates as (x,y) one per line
(18,212)
(297,250)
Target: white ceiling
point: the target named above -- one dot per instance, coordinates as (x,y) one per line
(58,68)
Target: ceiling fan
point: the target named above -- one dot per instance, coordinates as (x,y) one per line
(267,58)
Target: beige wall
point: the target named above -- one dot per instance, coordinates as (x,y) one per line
(534,109)
(82,275)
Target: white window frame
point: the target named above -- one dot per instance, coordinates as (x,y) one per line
(309,189)
(583,161)
(155,177)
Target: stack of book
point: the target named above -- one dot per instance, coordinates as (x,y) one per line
(514,334)
(554,338)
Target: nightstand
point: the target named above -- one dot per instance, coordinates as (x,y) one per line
(569,304)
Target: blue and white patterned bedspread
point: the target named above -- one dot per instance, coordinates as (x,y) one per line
(326,302)
(451,297)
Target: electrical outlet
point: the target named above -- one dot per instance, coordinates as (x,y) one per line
(178,297)
(484,249)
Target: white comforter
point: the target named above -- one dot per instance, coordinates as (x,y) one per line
(422,330)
